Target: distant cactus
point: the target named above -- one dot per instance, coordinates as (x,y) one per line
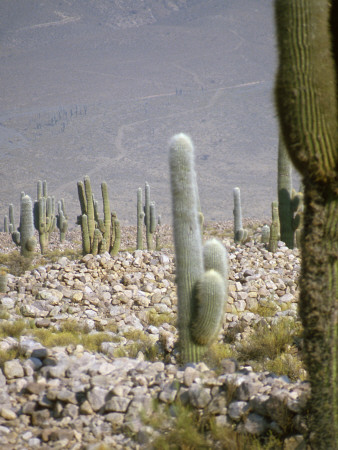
(201,282)
(44,215)
(285,209)
(265,235)
(115,235)
(240,234)
(11,227)
(98,235)
(274,229)
(149,218)
(140,220)
(24,237)
(290,202)
(6,226)
(62,220)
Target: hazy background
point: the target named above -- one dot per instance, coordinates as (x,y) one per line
(98,87)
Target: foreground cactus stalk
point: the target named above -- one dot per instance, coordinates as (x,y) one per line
(306,95)
(201,282)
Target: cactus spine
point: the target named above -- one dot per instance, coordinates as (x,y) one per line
(240,234)
(201,285)
(306,97)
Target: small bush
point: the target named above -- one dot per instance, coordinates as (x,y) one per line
(267,342)
(13,329)
(17,264)
(158,319)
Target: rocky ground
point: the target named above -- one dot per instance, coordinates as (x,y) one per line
(89,358)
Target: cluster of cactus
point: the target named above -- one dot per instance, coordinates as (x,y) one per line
(289,201)
(307,104)
(146,215)
(240,234)
(44,215)
(62,220)
(98,235)
(24,235)
(201,273)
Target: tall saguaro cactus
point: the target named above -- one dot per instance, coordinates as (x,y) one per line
(201,279)
(306,96)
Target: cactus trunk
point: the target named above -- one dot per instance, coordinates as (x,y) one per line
(306,93)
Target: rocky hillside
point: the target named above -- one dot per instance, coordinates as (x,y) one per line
(88,353)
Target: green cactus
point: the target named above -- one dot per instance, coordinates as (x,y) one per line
(11,226)
(140,220)
(106,212)
(98,235)
(149,218)
(6,227)
(240,234)
(201,282)
(285,207)
(274,229)
(62,220)
(306,97)
(115,235)
(24,236)
(44,215)
(265,234)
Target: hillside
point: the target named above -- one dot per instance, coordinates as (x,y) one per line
(99,87)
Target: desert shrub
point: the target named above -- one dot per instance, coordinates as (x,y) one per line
(17,264)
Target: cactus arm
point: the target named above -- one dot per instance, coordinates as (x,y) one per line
(117,237)
(240,234)
(85,234)
(11,215)
(209,308)
(90,208)
(140,219)
(82,197)
(106,212)
(274,229)
(152,219)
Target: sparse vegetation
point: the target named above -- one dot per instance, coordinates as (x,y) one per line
(182,427)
